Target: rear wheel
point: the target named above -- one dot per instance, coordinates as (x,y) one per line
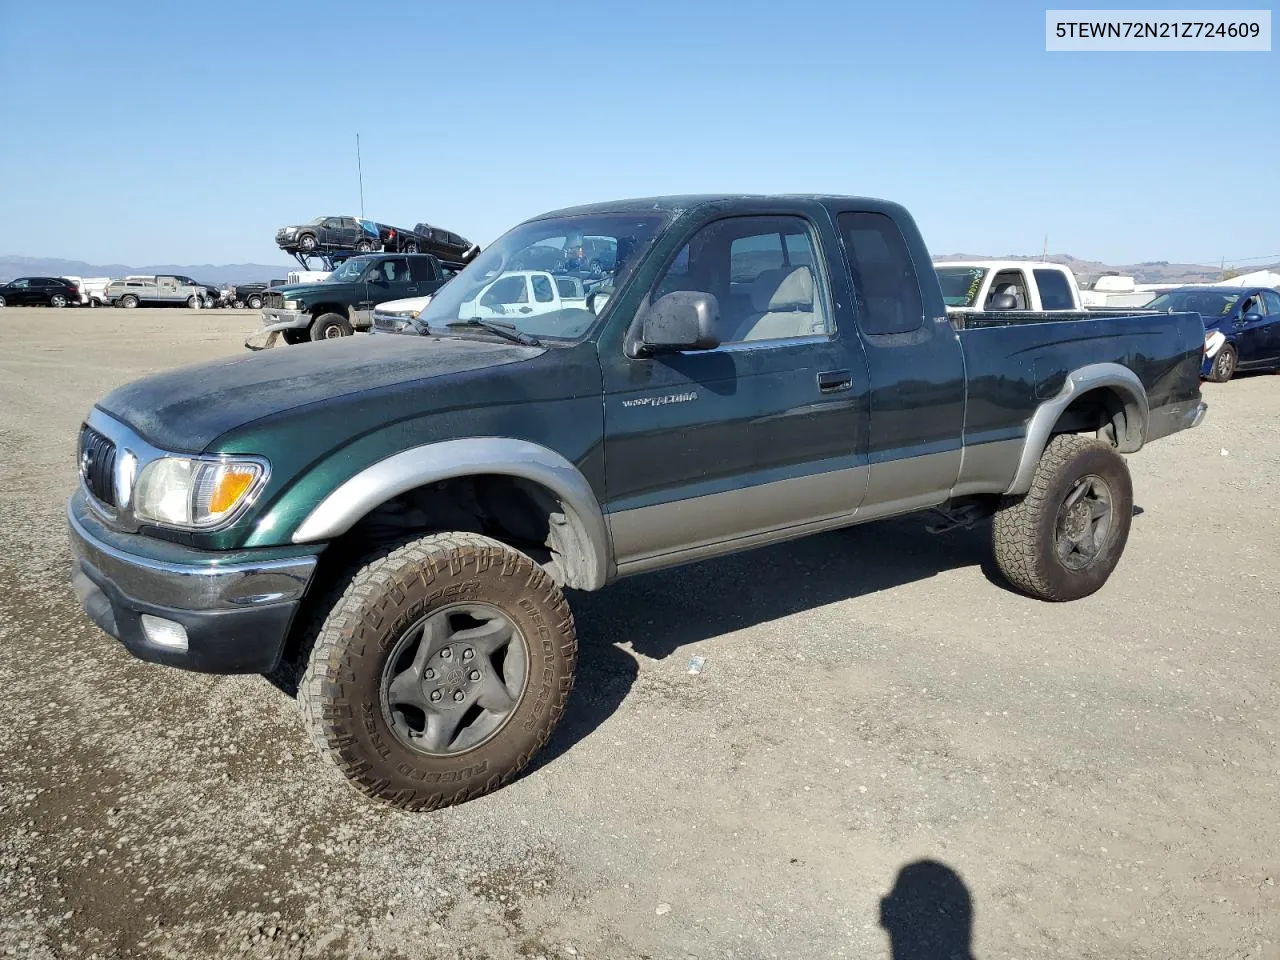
(411,247)
(1062,540)
(330,326)
(128,301)
(254,303)
(1224,364)
(440,671)
(57,300)
(363,246)
(194,302)
(3,302)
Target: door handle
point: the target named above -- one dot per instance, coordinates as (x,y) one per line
(833,381)
(526,309)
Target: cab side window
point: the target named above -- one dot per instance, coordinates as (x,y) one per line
(1009,283)
(761,270)
(884,278)
(1272,301)
(1055,292)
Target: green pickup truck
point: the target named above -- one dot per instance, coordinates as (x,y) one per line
(391,521)
(343,302)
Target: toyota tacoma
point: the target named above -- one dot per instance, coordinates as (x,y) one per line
(390,523)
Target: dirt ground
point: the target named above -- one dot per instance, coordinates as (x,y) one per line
(876,718)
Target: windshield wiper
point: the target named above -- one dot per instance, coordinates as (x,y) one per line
(508,331)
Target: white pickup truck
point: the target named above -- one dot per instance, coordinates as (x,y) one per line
(1002,285)
(516,293)
(522,293)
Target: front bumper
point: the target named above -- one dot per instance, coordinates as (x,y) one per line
(276,318)
(236,611)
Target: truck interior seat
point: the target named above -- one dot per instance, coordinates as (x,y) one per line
(783,305)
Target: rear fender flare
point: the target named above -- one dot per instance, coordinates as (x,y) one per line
(1111,376)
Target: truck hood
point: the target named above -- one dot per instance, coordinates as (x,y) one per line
(185,410)
(311,289)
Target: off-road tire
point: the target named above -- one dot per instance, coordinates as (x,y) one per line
(325,325)
(1024,529)
(254,303)
(1224,364)
(128,301)
(293,336)
(340,687)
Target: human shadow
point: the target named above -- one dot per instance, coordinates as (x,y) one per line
(928,915)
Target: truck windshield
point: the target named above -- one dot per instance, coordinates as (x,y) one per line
(960,285)
(349,271)
(1210,305)
(518,280)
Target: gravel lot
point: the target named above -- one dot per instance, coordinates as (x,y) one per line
(1097,779)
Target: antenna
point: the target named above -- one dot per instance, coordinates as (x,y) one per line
(360,174)
(1045,254)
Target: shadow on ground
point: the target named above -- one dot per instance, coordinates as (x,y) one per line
(659,613)
(928,915)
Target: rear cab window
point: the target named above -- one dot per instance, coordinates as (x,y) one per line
(884,277)
(1055,291)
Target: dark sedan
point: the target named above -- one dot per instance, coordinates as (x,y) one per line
(39,292)
(1241,326)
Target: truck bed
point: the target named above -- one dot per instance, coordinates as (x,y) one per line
(971,319)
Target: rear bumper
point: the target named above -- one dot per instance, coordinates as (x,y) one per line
(1162,421)
(236,616)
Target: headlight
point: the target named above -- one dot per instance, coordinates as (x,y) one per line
(293,305)
(289,230)
(196,493)
(1213,342)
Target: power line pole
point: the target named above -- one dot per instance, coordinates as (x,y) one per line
(360,174)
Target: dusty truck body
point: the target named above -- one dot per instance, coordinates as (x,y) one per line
(389,522)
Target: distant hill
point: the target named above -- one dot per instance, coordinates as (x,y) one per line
(1153,271)
(11,267)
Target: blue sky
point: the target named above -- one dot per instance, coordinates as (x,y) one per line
(187,132)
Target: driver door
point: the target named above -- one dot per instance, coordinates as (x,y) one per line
(1251,331)
(506,297)
(386,280)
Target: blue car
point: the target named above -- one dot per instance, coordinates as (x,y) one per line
(1241,326)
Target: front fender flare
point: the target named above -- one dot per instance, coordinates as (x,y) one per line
(376,484)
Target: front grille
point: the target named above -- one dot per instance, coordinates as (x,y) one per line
(273,300)
(98,465)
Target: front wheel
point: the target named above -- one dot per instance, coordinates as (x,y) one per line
(364,246)
(292,336)
(306,243)
(3,302)
(1064,537)
(254,303)
(1224,364)
(330,326)
(411,247)
(440,671)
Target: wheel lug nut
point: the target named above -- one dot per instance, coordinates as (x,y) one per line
(468,653)
(475,675)
(429,673)
(458,695)
(446,653)
(435,696)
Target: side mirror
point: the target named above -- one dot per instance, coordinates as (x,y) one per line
(1002,301)
(683,320)
(1251,318)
